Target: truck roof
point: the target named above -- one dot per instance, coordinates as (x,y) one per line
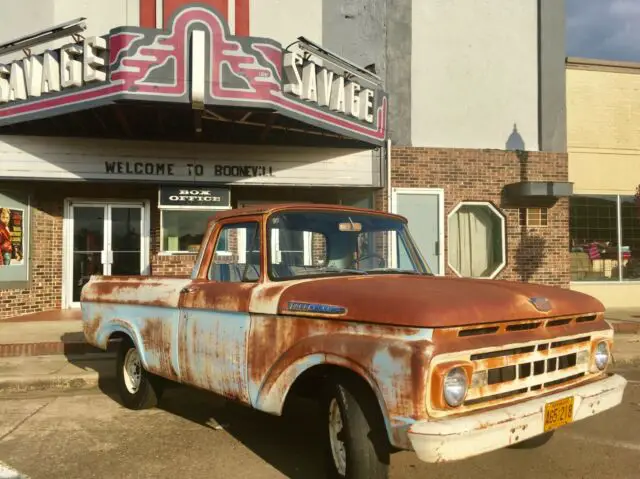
(268,208)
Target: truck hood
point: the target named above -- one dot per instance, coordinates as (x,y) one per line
(424,301)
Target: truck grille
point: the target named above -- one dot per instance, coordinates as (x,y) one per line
(511,372)
(516,360)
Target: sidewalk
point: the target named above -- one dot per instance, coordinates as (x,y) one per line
(21,338)
(624,321)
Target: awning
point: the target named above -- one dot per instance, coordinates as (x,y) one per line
(538,190)
(195,69)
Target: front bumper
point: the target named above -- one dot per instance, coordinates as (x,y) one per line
(463,437)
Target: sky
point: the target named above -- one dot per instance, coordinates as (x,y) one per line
(604,29)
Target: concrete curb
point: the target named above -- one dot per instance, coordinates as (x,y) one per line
(63,382)
(50,348)
(56,373)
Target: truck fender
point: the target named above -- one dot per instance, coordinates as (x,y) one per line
(271,395)
(109,329)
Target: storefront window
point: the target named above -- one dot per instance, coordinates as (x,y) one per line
(182,231)
(630,251)
(593,227)
(476,240)
(605,238)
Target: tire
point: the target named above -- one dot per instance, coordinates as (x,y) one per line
(359,449)
(534,442)
(138,388)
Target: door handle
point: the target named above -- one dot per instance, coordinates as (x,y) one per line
(188,290)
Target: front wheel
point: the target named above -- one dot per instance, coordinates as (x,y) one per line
(356,443)
(138,389)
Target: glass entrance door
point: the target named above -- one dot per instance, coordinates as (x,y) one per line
(105,239)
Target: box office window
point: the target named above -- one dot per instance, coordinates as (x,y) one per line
(182,231)
(14,239)
(605,238)
(184,215)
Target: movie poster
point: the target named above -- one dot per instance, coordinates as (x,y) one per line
(11,237)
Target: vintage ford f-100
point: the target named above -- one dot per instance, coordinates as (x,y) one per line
(339,304)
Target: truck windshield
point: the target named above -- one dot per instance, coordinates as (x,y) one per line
(311,243)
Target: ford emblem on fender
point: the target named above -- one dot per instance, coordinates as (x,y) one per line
(299,307)
(541,304)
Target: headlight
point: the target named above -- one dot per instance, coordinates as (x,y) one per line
(601,355)
(455,387)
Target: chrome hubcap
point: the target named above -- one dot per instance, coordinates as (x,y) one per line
(132,371)
(337,445)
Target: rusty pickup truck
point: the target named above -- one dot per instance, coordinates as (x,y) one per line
(338,304)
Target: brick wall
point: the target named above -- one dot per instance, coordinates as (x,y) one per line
(539,255)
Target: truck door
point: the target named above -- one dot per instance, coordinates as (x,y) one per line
(214,315)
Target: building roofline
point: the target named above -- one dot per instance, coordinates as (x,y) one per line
(596,64)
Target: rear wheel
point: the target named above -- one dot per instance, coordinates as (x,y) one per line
(138,388)
(356,443)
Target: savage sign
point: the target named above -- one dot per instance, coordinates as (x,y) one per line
(195,60)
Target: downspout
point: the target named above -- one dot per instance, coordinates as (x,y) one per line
(389,195)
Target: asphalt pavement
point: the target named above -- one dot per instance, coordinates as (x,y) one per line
(194,434)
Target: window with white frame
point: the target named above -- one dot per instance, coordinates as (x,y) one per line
(477,240)
(184,215)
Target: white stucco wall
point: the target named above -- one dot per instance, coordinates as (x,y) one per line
(23,17)
(474,73)
(286,20)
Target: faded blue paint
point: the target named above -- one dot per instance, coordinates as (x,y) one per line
(154,331)
(215,351)
(385,368)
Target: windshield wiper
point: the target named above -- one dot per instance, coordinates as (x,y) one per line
(344,270)
(397,271)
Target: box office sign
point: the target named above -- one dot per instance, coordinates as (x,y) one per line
(194,61)
(190,197)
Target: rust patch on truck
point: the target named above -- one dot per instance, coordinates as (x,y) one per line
(156,336)
(393,358)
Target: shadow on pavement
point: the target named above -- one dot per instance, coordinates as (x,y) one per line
(291,443)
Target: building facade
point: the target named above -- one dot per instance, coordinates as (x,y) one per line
(604,165)
(477,120)
(118,141)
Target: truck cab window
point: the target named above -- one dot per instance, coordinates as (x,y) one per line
(237,254)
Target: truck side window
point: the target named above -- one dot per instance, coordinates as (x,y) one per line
(237,254)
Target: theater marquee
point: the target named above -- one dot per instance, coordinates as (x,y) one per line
(195,61)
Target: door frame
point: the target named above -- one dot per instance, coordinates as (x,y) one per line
(67,238)
(439,192)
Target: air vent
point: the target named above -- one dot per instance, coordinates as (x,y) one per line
(523,326)
(478,331)
(558,322)
(586,319)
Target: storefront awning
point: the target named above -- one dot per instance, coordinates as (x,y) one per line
(197,71)
(538,190)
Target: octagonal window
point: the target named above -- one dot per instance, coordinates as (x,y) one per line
(477,240)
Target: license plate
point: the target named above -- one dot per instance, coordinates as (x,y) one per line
(558,413)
